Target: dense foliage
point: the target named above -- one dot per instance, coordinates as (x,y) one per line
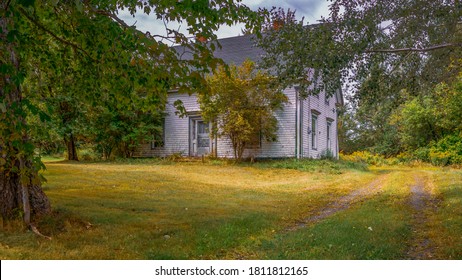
(392,58)
(430,126)
(76,68)
(241,104)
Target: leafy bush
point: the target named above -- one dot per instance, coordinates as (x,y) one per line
(405,157)
(88,153)
(327,154)
(447,151)
(439,158)
(422,154)
(364,157)
(374,159)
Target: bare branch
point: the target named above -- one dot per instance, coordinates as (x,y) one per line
(432,48)
(111,15)
(125,25)
(36,231)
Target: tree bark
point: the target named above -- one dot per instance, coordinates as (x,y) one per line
(20,191)
(71,149)
(13,197)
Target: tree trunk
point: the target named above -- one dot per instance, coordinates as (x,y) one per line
(71,150)
(238,147)
(20,191)
(12,197)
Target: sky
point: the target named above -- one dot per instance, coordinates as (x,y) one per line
(312,10)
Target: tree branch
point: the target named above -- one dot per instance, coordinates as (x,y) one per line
(125,25)
(7,5)
(432,48)
(64,41)
(111,15)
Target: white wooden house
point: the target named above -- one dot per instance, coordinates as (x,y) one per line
(307,128)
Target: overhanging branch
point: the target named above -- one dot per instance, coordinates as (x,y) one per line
(52,34)
(125,25)
(432,48)
(111,15)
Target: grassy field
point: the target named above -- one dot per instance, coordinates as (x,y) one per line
(153,209)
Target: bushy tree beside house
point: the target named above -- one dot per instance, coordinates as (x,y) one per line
(240,102)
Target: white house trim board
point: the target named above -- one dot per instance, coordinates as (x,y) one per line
(298,125)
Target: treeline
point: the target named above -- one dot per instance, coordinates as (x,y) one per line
(402,66)
(426,126)
(105,108)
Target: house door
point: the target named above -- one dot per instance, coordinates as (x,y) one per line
(200,138)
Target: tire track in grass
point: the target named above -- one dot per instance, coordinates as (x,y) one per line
(422,202)
(343,203)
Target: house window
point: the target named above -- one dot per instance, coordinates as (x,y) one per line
(314,132)
(203,136)
(158,138)
(329,135)
(255,141)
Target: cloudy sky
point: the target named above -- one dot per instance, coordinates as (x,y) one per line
(312,10)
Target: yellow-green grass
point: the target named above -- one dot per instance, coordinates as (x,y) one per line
(48,158)
(154,209)
(372,229)
(383,227)
(446,220)
(177,210)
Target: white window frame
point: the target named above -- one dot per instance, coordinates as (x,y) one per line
(314,132)
(329,134)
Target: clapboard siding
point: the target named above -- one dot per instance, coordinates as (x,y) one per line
(327,111)
(177,130)
(284,147)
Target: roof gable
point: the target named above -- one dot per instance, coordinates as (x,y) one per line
(234,50)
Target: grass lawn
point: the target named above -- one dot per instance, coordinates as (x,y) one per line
(152,209)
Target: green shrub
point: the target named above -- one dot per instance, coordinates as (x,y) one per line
(88,155)
(327,154)
(422,154)
(447,151)
(405,157)
(88,152)
(439,158)
(364,157)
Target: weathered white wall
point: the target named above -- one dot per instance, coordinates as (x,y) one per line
(326,110)
(284,147)
(177,130)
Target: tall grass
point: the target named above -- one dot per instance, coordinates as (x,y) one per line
(313,165)
(378,228)
(156,209)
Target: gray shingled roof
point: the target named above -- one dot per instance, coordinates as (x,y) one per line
(234,50)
